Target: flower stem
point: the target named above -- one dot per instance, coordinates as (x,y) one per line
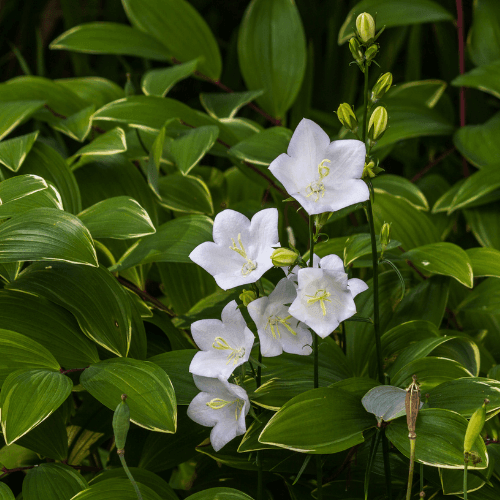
(466,464)
(365,106)
(260,490)
(129,475)
(412,466)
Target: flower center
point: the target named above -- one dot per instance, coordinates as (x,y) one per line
(235,354)
(249,265)
(273,322)
(320,296)
(317,188)
(218,404)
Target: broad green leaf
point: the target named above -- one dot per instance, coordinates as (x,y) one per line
(180,29)
(483,222)
(220,105)
(484,38)
(46,234)
(485,297)
(386,402)
(93,89)
(13,113)
(158,82)
(440,439)
(28,398)
(300,425)
(14,456)
(92,294)
(424,92)
(484,261)
(391,13)
(452,482)
(185,193)
(483,78)
(219,494)
(109,143)
(77,126)
(20,352)
(44,198)
(116,488)
(6,492)
(172,242)
(401,188)
(13,152)
(151,396)
(359,245)
(443,258)
(55,481)
(47,324)
(111,38)
(119,217)
(399,337)
(272,53)
(333,245)
(10,270)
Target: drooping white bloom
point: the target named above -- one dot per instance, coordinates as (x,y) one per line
(325,296)
(220,405)
(294,273)
(224,344)
(241,250)
(322,176)
(278,330)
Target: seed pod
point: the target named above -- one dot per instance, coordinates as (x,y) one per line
(377,123)
(384,83)
(347,117)
(365,26)
(475,426)
(121,423)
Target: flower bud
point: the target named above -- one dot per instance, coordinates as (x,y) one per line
(121,423)
(291,236)
(385,234)
(347,117)
(368,171)
(282,257)
(356,51)
(377,123)
(247,296)
(365,26)
(383,84)
(475,427)
(371,52)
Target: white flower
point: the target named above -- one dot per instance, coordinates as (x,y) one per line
(278,330)
(325,296)
(294,273)
(241,251)
(220,405)
(224,344)
(322,176)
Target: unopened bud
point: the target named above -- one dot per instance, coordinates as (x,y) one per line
(368,170)
(371,52)
(383,84)
(475,427)
(377,123)
(291,236)
(284,257)
(121,423)
(385,235)
(365,26)
(356,51)
(129,87)
(347,117)
(247,296)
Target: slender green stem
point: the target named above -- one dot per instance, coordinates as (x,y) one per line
(319,477)
(371,459)
(421,477)
(316,361)
(387,466)
(260,489)
(129,475)
(311,240)
(466,464)
(412,466)
(365,106)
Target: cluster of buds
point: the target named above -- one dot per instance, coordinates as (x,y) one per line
(362,45)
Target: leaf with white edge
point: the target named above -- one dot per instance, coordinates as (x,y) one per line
(14,113)
(189,149)
(401,188)
(13,152)
(20,186)
(483,222)
(120,217)
(77,126)
(485,298)
(93,89)
(92,294)
(46,234)
(151,396)
(44,198)
(219,493)
(172,242)
(10,270)
(185,193)
(221,105)
(443,258)
(484,261)
(440,439)
(159,81)
(386,402)
(111,38)
(28,398)
(116,488)
(6,492)
(360,244)
(424,92)
(109,143)
(53,480)
(485,78)
(154,160)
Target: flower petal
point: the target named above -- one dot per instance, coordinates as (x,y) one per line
(332,262)
(347,159)
(228,224)
(343,194)
(356,286)
(308,144)
(199,412)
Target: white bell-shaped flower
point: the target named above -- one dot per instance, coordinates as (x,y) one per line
(278,330)
(322,176)
(294,273)
(220,405)
(241,250)
(224,344)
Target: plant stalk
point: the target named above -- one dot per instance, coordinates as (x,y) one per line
(466,464)
(260,489)
(412,466)
(129,475)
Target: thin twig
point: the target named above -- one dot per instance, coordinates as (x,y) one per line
(432,164)
(145,296)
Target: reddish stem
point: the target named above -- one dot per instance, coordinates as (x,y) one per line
(146,296)
(71,370)
(461,61)
(432,164)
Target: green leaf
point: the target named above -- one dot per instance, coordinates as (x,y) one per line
(158,82)
(119,217)
(359,245)
(109,143)
(78,125)
(483,78)
(54,481)
(172,242)
(347,419)
(28,398)
(14,113)
(485,297)
(180,28)
(443,258)
(484,261)
(46,234)
(483,223)
(440,439)
(13,152)
(386,402)
(151,396)
(116,488)
(93,295)
(401,188)
(484,39)
(185,193)
(272,53)
(452,482)
(190,148)
(424,92)
(391,13)
(220,105)
(219,494)
(6,492)
(111,38)
(10,270)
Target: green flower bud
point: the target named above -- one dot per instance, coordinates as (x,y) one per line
(368,171)
(377,123)
(291,236)
(347,117)
(371,52)
(385,235)
(383,84)
(365,26)
(475,427)
(121,423)
(356,51)
(284,257)
(247,296)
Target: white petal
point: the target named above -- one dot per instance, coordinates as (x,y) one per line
(347,159)
(284,292)
(269,346)
(332,262)
(228,224)
(309,205)
(224,432)
(298,344)
(199,412)
(214,364)
(231,316)
(264,228)
(357,286)
(286,170)
(343,194)
(204,332)
(256,310)
(206,384)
